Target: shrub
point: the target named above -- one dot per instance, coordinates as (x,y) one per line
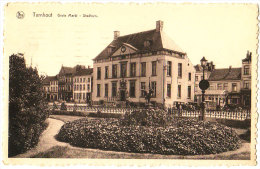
(145,117)
(63,106)
(190,138)
(27,106)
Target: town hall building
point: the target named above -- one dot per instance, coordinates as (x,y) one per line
(132,64)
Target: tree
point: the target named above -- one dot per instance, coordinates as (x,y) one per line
(27,106)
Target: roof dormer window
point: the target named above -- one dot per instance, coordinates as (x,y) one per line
(147,43)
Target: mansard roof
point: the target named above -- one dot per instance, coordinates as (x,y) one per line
(225,74)
(83,72)
(49,78)
(159,41)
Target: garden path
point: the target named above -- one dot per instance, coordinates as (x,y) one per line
(47,139)
(48,146)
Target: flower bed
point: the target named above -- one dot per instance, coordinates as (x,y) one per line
(180,137)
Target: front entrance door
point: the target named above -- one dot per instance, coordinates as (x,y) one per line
(122,95)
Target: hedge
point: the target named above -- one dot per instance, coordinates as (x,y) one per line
(179,137)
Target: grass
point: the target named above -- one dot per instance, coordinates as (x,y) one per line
(73,152)
(66,118)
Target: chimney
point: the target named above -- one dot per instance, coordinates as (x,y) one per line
(116,34)
(159,26)
(88,66)
(230,67)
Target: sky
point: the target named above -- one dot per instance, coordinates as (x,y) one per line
(221,32)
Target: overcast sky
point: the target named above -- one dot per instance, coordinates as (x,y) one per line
(221,33)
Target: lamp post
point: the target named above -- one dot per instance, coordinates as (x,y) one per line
(204,85)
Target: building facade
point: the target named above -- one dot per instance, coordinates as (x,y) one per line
(82,85)
(246,80)
(50,88)
(131,64)
(229,86)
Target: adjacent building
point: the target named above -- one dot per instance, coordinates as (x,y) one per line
(228,85)
(131,64)
(82,85)
(50,88)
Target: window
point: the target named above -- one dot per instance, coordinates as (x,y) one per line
(77,87)
(123,69)
(84,79)
(143,69)
(154,68)
(106,72)
(169,68)
(99,73)
(169,91)
(88,86)
(80,79)
(98,90)
(246,85)
(153,86)
(211,87)
(114,89)
(189,76)
(246,70)
(133,69)
(83,96)
(225,86)
(179,91)
(83,86)
(196,88)
(219,86)
(114,71)
(180,70)
(80,87)
(196,78)
(234,87)
(88,79)
(142,89)
(189,92)
(106,90)
(132,89)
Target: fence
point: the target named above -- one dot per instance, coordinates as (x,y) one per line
(232,115)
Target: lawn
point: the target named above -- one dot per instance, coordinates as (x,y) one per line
(66,118)
(74,152)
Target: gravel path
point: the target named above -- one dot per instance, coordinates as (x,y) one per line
(46,140)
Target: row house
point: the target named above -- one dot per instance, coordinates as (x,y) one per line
(131,64)
(50,88)
(199,74)
(65,77)
(229,85)
(82,85)
(246,80)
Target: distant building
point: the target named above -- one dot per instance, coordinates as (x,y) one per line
(65,77)
(126,68)
(225,84)
(50,88)
(229,85)
(199,76)
(82,85)
(246,80)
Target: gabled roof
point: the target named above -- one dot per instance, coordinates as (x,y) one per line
(159,40)
(82,72)
(49,78)
(67,70)
(225,74)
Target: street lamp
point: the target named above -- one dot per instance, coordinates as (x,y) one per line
(204,85)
